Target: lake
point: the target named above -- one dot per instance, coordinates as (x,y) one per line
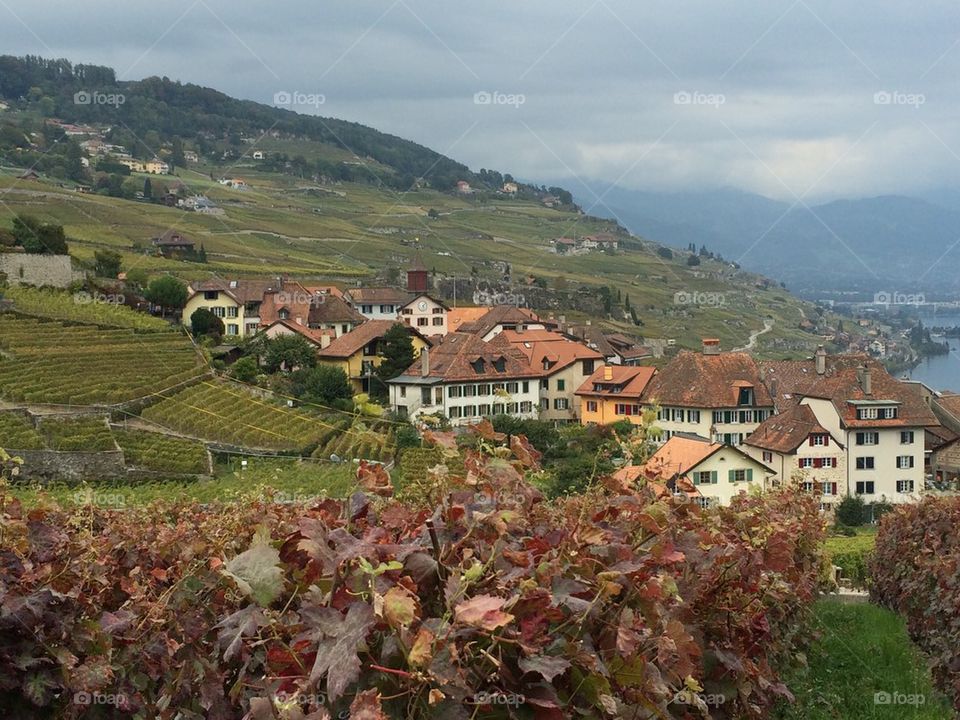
(941,372)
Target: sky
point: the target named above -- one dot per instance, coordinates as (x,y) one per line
(792,99)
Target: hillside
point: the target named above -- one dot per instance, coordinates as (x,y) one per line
(317,208)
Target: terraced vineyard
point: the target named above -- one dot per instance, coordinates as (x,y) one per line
(82,307)
(84,434)
(219,412)
(18,433)
(50,362)
(161,453)
(367,440)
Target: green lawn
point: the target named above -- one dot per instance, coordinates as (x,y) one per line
(280,480)
(852,553)
(862,657)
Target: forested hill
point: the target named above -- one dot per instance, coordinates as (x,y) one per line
(186,111)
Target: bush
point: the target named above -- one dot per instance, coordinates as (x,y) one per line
(915,569)
(323,384)
(204,322)
(602,607)
(245,370)
(851,511)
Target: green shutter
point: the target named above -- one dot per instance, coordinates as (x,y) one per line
(730,476)
(713,477)
(749,474)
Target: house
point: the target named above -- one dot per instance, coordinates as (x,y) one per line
(28,175)
(566,246)
(616,348)
(191,156)
(426,314)
(258,155)
(796,445)
(377,303)
(358,352)
(173,244)
(505,317)
(551,201)
(460,316)
(200,204)
(613,393)
(234,183)
(600,241)
(236,302)
(464,378)
(153,167)
(418,277)
(318,338)
(879,421)
(511,188)
(564,365)
(720,396)
(463,187)
(719,471)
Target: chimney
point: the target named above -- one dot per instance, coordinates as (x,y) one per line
(324,341)
(425,362)
(711,346)
(607,372)
(821,358)
(867,382)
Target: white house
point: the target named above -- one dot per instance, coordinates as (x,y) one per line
(426,314)
(377,303)
(464,379)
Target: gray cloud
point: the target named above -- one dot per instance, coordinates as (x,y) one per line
(797,81)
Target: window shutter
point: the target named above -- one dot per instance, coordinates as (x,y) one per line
(810,441)
(713,477)
(817,462)
(833,488)
(800,462)
(826,441)
(730,475)
(749,474)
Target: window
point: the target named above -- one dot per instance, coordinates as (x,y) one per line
(544,403)
(484,410)
(904,462)
(478,365)
(513,388)
(545,384)
(512,408)
(469,390)
(469,410)
(406,311)
(233,329)
(826,507)
(232,312)
(219,312)
(868,438)
(425,396)
(438,396)
(525,386)
(628,410)
(904,486)
(455,412)
(437,311)
(808,486)
(767,456)
(745,397)
(865,487)
(422,321)
(210,294)
(366,309)
(906,437)
(828,488)
(705,477)
(438,321)
(806,462)
(588,367)
(864,463)
(454,391)
(818,439)
(500,365)
(693,416)
(740,475)
(561,404)
(483,389)
(403,391)
(386,308)
(561,385)
(498,408)
(591,405)
(889,413)
(867,413)
(526,406)
(717,416)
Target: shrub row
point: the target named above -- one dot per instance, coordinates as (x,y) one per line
(916,572)
(496,604)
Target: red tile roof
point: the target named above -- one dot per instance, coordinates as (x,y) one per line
(457,317)
(457,356)
(626,381)
(358,338)
(377,295)
(507,315)
(549,351)
(786,431)
(695,380)
(679,455)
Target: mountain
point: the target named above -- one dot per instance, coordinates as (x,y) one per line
(867,245)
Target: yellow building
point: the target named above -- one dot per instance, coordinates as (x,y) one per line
(613,393)
(235,302)
(358,352)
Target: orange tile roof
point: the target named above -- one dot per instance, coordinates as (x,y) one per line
(786,431)
(358,338)
(549,351)
(313,336)
(693,379)
(461,315)
(453,357)
(631,379)
(679,455)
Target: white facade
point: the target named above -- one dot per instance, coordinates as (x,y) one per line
(726,474)
(467,402)
(426,315)
(731,426)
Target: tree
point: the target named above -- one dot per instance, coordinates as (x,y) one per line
(323,384)
(107,263)
(39,238)
(202,254)
(245,369)
(147,189)
(204,322)
(693,261)
(177,158)
(167,292)
(289,352)
(851,511)
(137,278)
(397,351)
(665,252)
(433,214)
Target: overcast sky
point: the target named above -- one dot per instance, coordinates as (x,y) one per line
(785,98)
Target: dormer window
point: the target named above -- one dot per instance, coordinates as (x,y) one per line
(500,365)
(284,314)
(746,396)
(478,365)
(878,413)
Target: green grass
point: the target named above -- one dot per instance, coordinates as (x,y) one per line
(863,650)
(852,553)
(277,480)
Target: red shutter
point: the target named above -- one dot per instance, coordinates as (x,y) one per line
(817,462)
(800,462)
(826,441)
(833,488)
(811,441)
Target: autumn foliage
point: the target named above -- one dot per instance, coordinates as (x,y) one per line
(495,603)
(916,572)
